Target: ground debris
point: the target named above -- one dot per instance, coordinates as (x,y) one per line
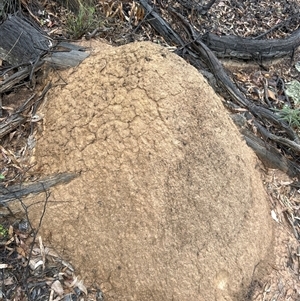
(282,283)
(31,271)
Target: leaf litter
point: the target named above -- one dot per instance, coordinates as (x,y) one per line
(31,271)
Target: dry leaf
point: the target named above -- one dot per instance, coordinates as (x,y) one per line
(21,251)
(10,231)
(3,265)
(81,286)
(57,287)
(35,263)
(271,94)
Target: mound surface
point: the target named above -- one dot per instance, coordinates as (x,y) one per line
(168,204)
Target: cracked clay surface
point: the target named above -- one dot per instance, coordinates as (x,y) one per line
(168,204)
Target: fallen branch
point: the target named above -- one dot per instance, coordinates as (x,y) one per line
(18,191)
(251,49)
(160,25)
(17,77)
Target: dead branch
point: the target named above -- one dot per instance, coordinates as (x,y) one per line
(251,49)
(20,190)
(17,77)
(160,25)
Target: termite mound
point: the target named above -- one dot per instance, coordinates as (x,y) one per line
(168,204)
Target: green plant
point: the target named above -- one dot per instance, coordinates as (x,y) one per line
(77,25)
(3,231)
(2,176)
(293,90)
(291,116)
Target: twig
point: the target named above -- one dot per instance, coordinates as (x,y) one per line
(35,233)
(13,46)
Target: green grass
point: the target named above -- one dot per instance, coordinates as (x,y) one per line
(84,21)
(291,116)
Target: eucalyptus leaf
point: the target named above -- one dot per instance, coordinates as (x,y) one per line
(293,90)
(297,66)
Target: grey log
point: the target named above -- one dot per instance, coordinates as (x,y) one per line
(21,42)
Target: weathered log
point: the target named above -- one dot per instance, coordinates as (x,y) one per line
(230,46)
(18,191)
(21,42)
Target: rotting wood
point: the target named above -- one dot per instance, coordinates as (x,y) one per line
(18,191)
